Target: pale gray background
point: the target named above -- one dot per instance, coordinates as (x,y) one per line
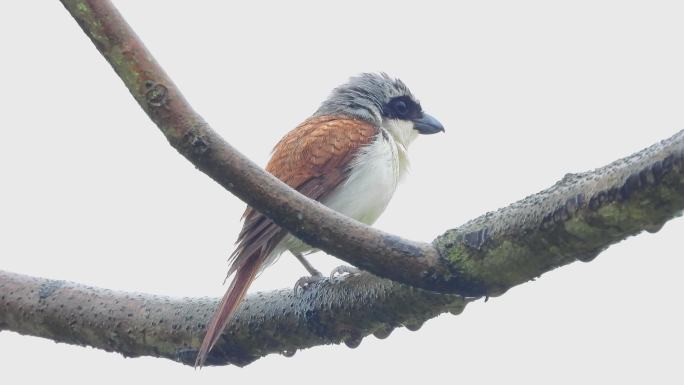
(527,91)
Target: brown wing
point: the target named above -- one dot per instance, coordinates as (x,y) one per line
(313,159)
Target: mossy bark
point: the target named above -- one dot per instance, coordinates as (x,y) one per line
(575,219)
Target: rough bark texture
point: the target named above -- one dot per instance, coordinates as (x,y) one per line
(575,219)
(344,309)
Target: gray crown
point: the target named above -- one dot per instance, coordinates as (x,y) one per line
(364,97)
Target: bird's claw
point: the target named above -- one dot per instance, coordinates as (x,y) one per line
(303,283)
(344,269)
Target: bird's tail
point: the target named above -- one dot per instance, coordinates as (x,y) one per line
(244,275)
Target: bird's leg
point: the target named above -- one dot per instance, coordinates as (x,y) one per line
(315,276)
(344,269)
(307,265)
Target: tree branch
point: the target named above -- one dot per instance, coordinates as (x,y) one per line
(133,324)
(574,220)
(415,263)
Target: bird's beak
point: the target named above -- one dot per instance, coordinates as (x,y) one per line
(427,124)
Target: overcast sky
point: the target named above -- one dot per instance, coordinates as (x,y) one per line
(528,91)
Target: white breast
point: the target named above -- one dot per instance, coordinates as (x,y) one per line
(375,173)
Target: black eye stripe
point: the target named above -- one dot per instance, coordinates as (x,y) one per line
(402,107)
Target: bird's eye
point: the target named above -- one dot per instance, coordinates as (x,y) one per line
(400,108)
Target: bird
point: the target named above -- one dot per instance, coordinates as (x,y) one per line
(350,155)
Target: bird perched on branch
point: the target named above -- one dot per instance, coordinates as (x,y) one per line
(350,156)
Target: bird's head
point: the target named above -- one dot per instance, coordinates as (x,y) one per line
(383,101)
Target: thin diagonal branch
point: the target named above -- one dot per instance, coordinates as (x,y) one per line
(365,247)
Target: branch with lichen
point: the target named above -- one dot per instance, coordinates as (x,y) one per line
(575,219)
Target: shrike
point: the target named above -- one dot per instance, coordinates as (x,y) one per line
(350,155)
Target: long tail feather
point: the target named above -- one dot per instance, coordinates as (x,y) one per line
(236,292)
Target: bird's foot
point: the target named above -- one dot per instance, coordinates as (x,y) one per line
(308,266)
(305,282)
(344,269)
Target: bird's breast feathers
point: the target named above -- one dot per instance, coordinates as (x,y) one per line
(374,173)
(347,164)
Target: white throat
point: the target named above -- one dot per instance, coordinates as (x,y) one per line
(401,134)
(402,131)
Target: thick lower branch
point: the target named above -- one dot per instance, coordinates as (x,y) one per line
(340,310)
